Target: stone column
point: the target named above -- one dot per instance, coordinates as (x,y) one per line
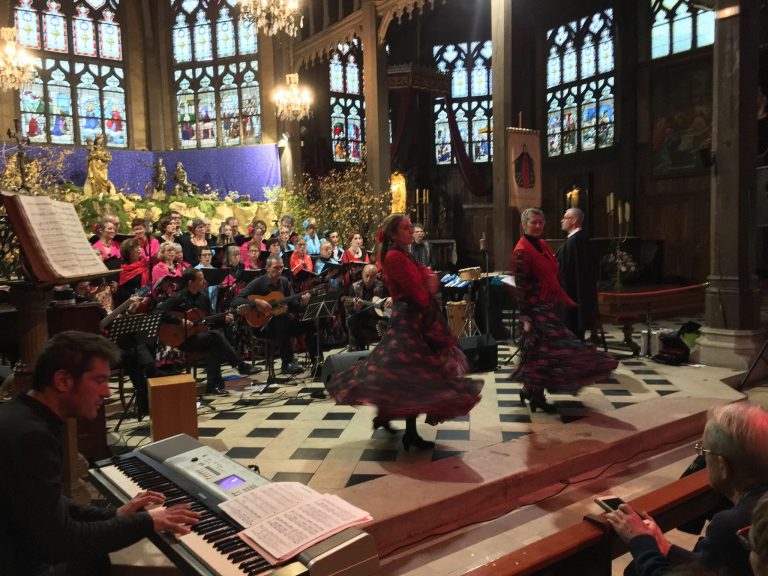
(376,92)
(504,225)
(732,333)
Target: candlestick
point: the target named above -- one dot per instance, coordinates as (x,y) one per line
(626,212)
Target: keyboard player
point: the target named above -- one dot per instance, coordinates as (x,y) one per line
(41,530)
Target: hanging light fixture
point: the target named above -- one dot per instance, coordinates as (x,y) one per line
(292,100)
(16,69)
(272,16)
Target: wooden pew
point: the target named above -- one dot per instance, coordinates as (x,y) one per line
(587,548)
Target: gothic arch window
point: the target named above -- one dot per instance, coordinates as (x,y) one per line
(580,85)
(347,102)
(678,26)
(215,75)
(80,89)
(469,65)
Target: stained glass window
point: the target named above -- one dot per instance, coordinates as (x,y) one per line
(347,104)
(580,85)
(469,64)
(680,25)
(78,48)
(215,75)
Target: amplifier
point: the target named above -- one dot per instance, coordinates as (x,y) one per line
(482,352)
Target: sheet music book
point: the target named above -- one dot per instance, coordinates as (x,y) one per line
(304,275)
(214,276)
(249,276)
(284,518)
(52,239)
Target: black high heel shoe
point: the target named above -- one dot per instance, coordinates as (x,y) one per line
(538,401)
(417,441)
(525,394)
(384,424)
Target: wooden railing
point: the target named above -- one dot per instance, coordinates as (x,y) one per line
(587,548)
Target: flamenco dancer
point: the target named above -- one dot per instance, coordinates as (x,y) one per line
(553,358)
(418,367)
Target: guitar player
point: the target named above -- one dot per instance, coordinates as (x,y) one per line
(194,296)
(362,322)
(281,326)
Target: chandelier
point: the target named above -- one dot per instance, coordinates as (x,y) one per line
(272,16)
(16,69)
(292,100)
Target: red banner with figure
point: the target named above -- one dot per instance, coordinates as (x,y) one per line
(525,168)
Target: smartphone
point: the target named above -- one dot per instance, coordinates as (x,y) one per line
(609,503)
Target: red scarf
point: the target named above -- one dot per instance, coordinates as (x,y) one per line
(130,271)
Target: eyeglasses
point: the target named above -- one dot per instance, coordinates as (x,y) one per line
(743,537)
(700,450)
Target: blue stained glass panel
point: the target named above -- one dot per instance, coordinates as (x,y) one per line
(54,28)
(705,28)
(225,35)
(110,43)
(682,31)
(554,127)
(337,74)
(569,63)
(83,33)
(588,122)
(569,127)
(554,68)
(248,37)
(182,41)
(207,118)
(114,109)
(459,84)
(660,37)
(27,25)
(230,112)
(251,108)
(588,64)
(606,62)
(203,42)
(480,80)
(353,76)
(442,136)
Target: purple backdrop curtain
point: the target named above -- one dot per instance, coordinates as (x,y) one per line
(246,170)
(472,179)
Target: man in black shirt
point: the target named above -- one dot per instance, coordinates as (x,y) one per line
(194,295)
(279,326)
(41,530)
(362,319)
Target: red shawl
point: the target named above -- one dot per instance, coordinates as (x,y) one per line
(129,271)
(543,267)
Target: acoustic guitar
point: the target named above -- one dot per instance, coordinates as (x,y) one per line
(376,304)
(279,305)
(133,300)
(175,335)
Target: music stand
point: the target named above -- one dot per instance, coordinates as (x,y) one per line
(142,328)
(323,306)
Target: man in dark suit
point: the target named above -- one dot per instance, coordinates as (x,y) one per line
(578,274)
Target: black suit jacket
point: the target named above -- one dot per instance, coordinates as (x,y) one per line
(578,277)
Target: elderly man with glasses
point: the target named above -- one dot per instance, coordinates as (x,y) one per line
(735,446)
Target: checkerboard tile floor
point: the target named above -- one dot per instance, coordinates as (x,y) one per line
(293,435)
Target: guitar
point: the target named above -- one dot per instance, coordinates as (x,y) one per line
(135,299)
(279,305)
(176,334)
(377,305)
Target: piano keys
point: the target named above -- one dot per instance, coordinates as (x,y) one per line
(189,472)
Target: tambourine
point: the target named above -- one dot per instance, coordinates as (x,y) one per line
(470,274)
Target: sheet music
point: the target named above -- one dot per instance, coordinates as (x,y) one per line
(62,244)
(286,534)
(265,501)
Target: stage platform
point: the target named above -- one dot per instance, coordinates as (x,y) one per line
(501,462)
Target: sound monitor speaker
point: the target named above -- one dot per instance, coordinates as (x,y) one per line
(482,352)
(340,362)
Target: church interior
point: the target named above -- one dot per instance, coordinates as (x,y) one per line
(650,116)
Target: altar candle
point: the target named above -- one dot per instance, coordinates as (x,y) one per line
(608,204)
(426,195)
(621,213)
(626,212)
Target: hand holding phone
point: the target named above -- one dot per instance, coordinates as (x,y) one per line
(609,503)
